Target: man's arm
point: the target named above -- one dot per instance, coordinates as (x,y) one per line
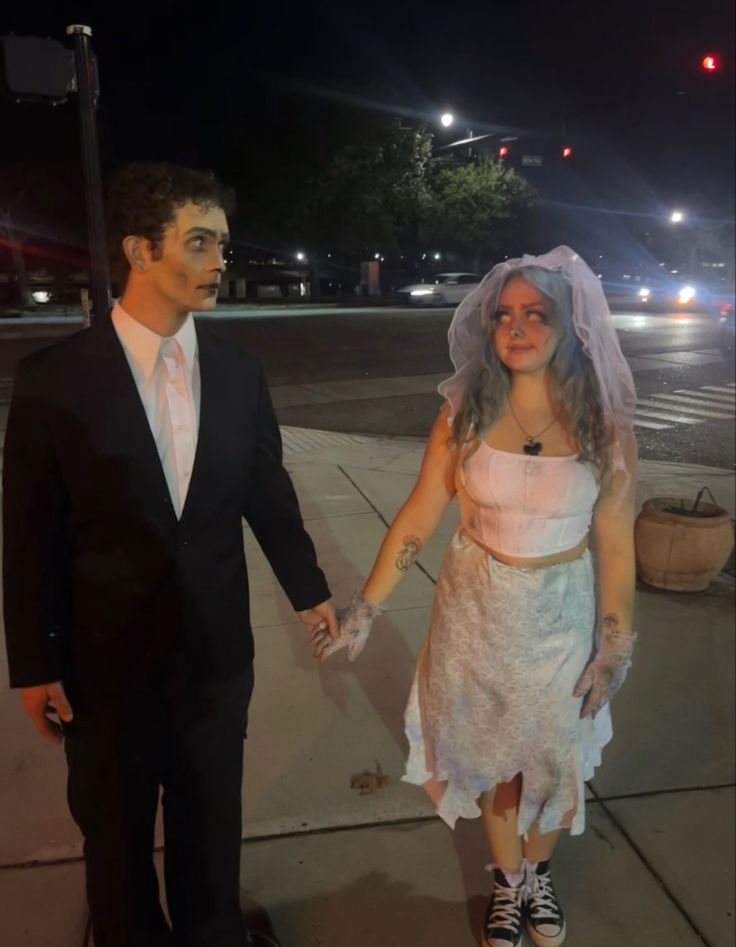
(272,510)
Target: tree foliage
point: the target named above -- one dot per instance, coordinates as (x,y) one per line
(388,196)
(477,210)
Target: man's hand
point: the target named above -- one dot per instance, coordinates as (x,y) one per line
(319,621)
(36,703)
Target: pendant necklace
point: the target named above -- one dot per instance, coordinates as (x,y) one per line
(532,445)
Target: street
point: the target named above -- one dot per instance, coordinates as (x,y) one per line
(375,371)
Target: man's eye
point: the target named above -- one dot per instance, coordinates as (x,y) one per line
(501,317)
(537,317)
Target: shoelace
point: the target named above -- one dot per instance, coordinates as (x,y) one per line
(541,899)
(506,910)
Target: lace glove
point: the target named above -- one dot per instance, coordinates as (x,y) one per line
(354,625)
(605,672)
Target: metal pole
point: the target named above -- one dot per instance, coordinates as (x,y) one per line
(84,67)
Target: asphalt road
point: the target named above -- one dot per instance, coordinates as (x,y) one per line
(313,345)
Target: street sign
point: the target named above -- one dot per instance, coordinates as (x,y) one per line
(532,161)
(35,69)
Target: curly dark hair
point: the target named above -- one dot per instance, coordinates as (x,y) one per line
(144,197)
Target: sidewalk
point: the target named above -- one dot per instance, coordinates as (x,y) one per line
(334,868)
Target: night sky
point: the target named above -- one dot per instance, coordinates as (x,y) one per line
(259,92)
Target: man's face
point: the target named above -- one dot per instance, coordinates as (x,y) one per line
(186,268)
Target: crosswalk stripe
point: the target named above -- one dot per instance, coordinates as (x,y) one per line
(726,388)
(721,403)
(709,397)
(652,425)
(665,415)
(686,405)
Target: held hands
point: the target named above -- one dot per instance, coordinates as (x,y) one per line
(606,670)
(320,622)
(355,623)
(43,699)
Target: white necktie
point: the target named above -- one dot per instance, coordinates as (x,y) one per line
(177,424)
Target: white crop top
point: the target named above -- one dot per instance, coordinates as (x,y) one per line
(521,505)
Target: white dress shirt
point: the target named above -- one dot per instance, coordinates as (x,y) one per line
(166,373)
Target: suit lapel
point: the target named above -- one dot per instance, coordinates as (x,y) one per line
(213,400)
(125,411)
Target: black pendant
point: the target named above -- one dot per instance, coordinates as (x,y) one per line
(532,447)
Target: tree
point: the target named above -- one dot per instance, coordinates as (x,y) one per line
(369,197)
(478,210)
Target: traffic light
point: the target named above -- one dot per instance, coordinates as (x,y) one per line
(567,152)
(709,63)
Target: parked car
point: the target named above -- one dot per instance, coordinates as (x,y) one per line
(445,289)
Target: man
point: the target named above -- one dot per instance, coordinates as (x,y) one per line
(133,450)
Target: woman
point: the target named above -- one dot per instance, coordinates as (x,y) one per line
(509,709)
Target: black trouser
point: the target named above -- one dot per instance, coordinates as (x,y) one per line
(119,754)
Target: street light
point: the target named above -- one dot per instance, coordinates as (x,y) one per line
(301,256)
(446,119)
(677,217)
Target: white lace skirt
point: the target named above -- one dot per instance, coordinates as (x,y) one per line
(492,696)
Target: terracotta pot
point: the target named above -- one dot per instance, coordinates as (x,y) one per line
(680,552)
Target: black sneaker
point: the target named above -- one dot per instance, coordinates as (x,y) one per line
(502,926)
(545,922)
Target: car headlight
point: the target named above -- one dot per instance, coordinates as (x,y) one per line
(686,294)
(41,295)
(644,293)
(422,292)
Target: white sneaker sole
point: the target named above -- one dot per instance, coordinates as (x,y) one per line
(543,941)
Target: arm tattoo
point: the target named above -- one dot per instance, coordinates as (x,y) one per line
(610,625)
(408,553)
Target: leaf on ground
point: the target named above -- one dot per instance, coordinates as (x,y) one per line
(369,780)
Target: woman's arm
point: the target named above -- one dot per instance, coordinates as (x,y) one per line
(613,536)
(613,531)
(417,520)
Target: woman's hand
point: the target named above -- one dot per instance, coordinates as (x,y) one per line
(354,626)
(606,670)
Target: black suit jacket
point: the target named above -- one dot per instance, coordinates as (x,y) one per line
(101,579)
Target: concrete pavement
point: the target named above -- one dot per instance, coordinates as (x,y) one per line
(334,868)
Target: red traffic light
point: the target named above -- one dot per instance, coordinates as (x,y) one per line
(709,63)
(503,151)
(567,152)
